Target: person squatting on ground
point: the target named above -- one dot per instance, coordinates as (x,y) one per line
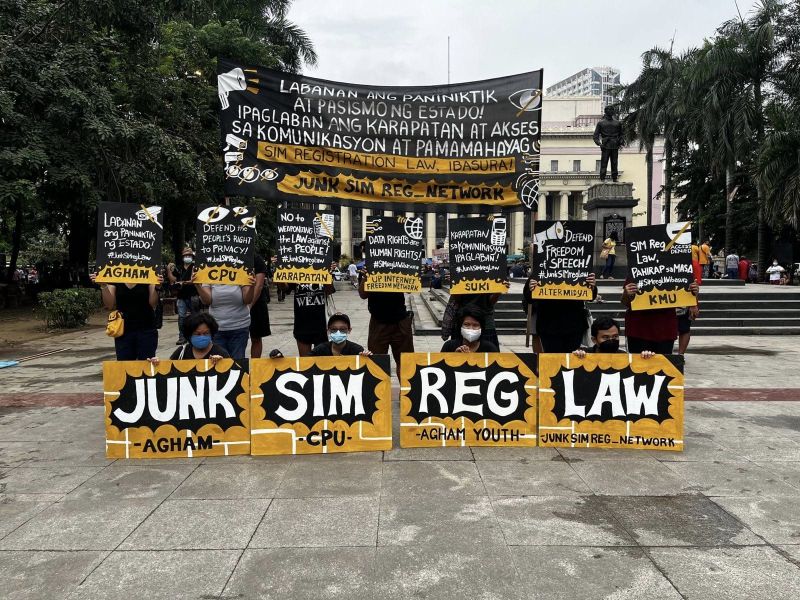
(199,328)
(389,322)
(230,306)
(656,329)
(309,315)
(180,280)
(605,339)
(259,308)
(338,343)
(470,323)
(136,303)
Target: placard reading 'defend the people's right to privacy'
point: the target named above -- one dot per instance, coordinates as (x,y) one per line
(128,242)
(562,259)
(225,244)
(305,244)
(477,250)
(394,253)
(660,264)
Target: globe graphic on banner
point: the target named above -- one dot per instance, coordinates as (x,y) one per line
(414,228)
(529,193)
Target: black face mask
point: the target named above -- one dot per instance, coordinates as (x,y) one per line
(608,347)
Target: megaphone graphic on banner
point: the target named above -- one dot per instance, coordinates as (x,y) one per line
(232,81)
(554,232)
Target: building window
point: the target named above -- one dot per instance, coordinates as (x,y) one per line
(441,228)
(597,166)
(576,166)
(554,166)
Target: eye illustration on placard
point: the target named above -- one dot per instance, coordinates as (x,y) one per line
(213,214)
(249,222)
(526,100)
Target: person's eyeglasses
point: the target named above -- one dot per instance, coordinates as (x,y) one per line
(339,329)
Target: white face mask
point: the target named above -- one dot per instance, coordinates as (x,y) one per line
(470,335)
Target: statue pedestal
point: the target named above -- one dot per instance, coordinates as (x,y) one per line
(610,206)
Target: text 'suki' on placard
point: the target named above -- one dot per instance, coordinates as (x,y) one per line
(394,253)
(477,250)
(563,259)
(225,244)
(321,404)
(305,243)
(611,401)
(467,399)
(128,242)
(177,409)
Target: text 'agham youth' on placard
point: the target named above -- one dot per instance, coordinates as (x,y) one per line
(394,253)
(563,259)
(477,250)
(304,240)
(225,244)
(296,138)
(660,264)
(128,242)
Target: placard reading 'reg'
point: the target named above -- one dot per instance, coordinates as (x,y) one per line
(394,254)
(611,401)
(181,408)
(304,240)
(225,244)
(563,259)
(128,242)
(467,399)
(477,248)
(321,404)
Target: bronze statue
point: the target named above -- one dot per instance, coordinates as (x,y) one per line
(608,135)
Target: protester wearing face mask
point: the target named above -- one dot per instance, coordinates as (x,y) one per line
(338,344)
(470,328)
(180,278)
(605,336)
(199,328)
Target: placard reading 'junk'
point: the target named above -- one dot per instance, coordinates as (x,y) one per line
(562,258)
(304,246)
(182,408)
(394,254)
(467,399)
(660,264)
(477,249)
(611,401)
(321,404)
(225,243)
(128,242)
(445,148)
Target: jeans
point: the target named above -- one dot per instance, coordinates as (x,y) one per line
(610,259)
(234,341)
(136,345)
(184,308)
(733,273)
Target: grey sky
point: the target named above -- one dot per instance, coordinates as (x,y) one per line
(405,42)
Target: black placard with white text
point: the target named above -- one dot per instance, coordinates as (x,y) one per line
(225,244)
(477,249)
(563,259)
(394,253)
(304,242)
(128,242)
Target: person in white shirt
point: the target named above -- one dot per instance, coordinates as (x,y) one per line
(775,272)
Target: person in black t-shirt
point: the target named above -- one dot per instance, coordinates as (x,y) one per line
(605,336)
(309,315)
(471,321)
(389,322)
(199,328)
(259,309)
(338,345)
(180,278)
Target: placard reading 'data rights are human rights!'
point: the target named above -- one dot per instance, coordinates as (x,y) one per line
(660,264)
(562,259)
(618,401)
(321,404)
(305,244)
(467,399)
(177,409)
(225,244)
(477,249)
(394,253)
(128,242)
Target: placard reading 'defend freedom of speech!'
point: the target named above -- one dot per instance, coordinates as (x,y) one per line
(467,399)
(128,242)
(321,404)
(611,401)
(660,264)
(181,408)
(304,242)
(440,148)
(563,259)
(394,253)
(477,250)
(225,244)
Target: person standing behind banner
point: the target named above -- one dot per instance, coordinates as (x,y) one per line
(338,345)
(230,306)
(310,327)
(259,308)
(484,303)
(187,300)
(610,249)
(137,303)
(560,324)
(655,329)
(470,324)
(389,322)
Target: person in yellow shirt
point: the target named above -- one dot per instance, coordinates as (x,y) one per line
(705,258)
(609,249)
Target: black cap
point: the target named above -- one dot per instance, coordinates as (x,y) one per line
(339,317)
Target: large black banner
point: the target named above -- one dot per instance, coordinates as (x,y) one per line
(225,244)
(128,242)
(436,148)
(394,254)
(562,259)
(477,251)
(304,246)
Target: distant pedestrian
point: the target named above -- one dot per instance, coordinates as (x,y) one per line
(610,251)
(744,268)
(706,258)
(775,272)
(732,265)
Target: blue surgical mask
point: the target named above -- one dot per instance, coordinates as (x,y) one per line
(337,337)
(201,341)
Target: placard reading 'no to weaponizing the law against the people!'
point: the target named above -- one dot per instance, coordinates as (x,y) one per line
(563,259)
(304,241)
(225,244)
(128,242)
(394,253)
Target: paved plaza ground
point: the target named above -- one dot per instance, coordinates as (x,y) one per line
(720,520)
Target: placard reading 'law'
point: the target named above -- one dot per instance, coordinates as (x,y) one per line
(445,148)
(467,399)
(563,259)
(177,409)
(660,264)
(304,246)
(477,249)
(611,401)
(321,404)
(128,242)
(225,244)
(394,253)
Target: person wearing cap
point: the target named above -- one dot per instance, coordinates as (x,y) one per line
(338,344)
(180,280)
